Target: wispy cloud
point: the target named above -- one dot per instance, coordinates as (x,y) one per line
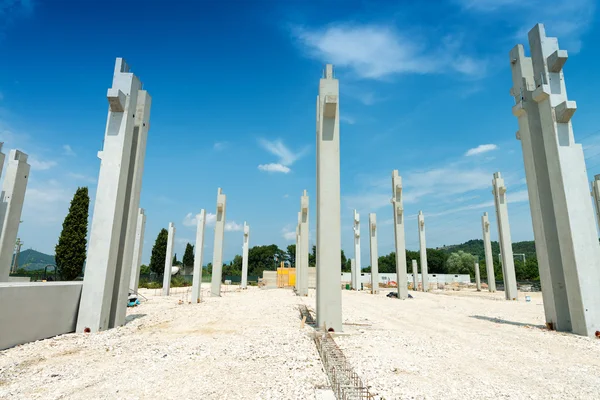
(40,165)
(379,51)
(191,220)
(482,148)
(286,157)
(81,177)
(67,150)
(288,234)
(347,119)
(218,146)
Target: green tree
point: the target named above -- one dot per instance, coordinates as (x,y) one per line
(461,263)
(261,258)
(188,255)
(208,268)
(346,263)
(291,255)
(312,257)
(436,261)
(144,269)
(159,252)
(387,264)
(71,248)
(176,262)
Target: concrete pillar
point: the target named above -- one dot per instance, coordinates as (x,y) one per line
(304,247)
(130,213)
(11,201)
(110,250)
(565,213)
(423,249)
(217,264)
(245,244)
(415,273)
(596,196)
(374,254)
(352,275)
(400,242)
(477,277)
(508,262)
(329,242)
(357,270)
(198,257)
(137,251)
(489,257)
(297,255)
(169,261)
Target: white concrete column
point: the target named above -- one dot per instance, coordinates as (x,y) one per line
(112,205)
(374,254)
(415,273)
(12,197)
(477,277)
(329,242)
(245,244)
(400,242)
(489,257)
(545,112)
(508,262)
(137,251)
(198,257)
(304,247)
(132,203)
(298,252)
(217,264)
(357,269)
(423,250)
(595,195)
(352,274)
(169,261)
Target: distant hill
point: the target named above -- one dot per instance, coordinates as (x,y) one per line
(32,260)
(475,247)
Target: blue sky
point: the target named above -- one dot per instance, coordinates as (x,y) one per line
(424,89)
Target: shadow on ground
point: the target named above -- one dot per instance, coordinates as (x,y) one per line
(503,321)
(133,317)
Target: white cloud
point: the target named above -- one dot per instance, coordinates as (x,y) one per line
(482,148)
(81,177)
(39,165)
(347,119)
(233,226)
(191,220)
(377,51)
(67,150)
(289,235)
(274,168)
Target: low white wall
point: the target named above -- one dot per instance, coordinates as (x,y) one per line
(19,279)
(37,310)
(433,278)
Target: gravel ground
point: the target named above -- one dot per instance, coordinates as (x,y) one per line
(244,345)
(465,345)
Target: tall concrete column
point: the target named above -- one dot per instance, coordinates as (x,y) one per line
(400,242)
(304,248)
(374,254)
(357,269)
(596,196)
(415,274)
(329,242)
(297,255)
(489,257)
(565,212)
(352,275)
(132,203)
(11,202)
(423,250)
(217,264)
(245,244)
(508,262)
(137,251)
(198,257)
(477,277)
(169,261)
(110,250)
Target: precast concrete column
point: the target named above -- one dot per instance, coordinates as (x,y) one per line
(566,214)
(217,271)
(489,257)
(169,261)
(246,242)
(198,257)
(374,254)
(137,251)
(116,202)
(596,196)
(329,243)
(304,248)
(133,190)
(508,262)
(352,276)
(400,241)
(357,269)
(477,277)
(423,250)
(297,255)
(11,201)
(415,274)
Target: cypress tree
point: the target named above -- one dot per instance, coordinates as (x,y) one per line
(159,252)
(188,256)
(71,248)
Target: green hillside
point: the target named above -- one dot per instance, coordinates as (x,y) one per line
(32,260)
(475,247)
